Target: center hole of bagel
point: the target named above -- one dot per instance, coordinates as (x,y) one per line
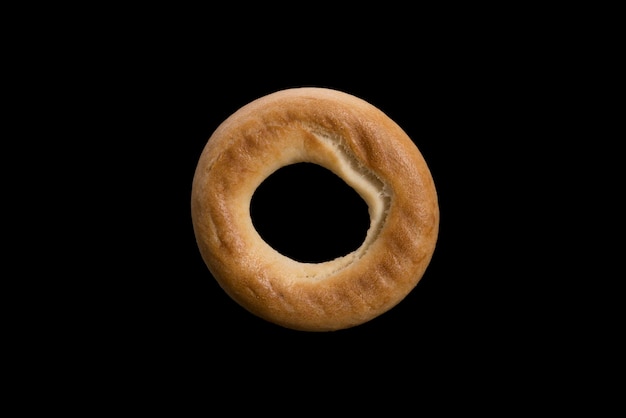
(306,212)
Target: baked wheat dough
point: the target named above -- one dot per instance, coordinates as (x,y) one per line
(360,144)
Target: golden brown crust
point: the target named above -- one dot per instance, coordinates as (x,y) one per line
(360,144)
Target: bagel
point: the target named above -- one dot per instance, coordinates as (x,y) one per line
(361,145)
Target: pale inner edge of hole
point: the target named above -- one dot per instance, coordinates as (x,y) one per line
(372,190)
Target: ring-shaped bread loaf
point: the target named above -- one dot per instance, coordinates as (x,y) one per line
(361,145)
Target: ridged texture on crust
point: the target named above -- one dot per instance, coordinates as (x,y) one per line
(360,144)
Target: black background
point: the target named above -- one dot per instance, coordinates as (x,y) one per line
(469,122)
(484,100)
(463,116)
